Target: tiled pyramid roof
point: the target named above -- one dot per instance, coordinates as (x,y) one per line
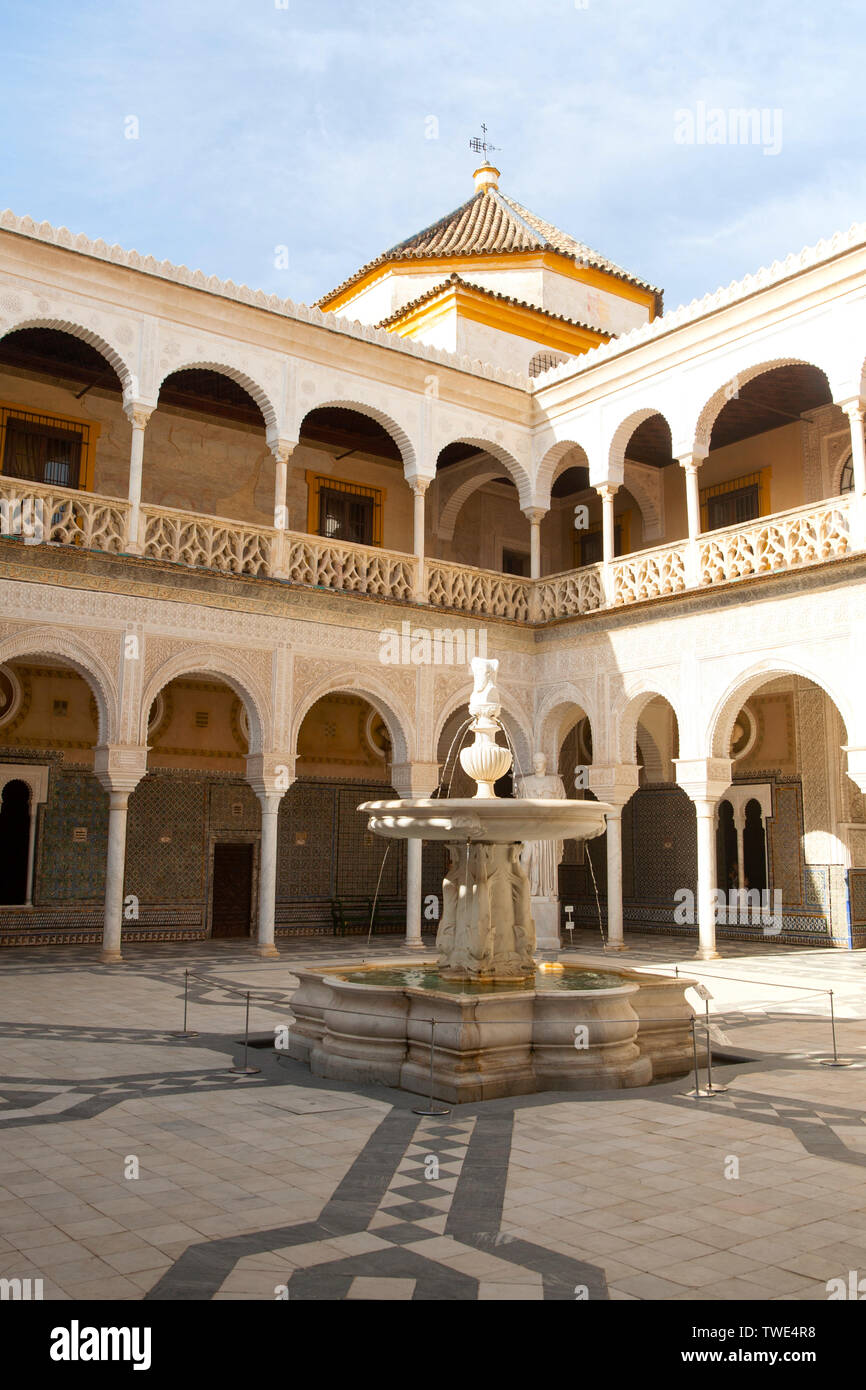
(491,224)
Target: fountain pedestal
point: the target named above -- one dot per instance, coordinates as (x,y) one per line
(486,930)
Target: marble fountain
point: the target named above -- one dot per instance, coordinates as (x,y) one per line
(502,1022)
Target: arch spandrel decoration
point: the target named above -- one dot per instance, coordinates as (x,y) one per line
(73,652)
(205,661)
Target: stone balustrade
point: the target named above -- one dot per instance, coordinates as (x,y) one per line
(573,591)
(484,593)
(649,573)
(803,536)
(207,542)
(35,513)
(814,534)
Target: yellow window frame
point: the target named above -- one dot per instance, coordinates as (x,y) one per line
(760,479)
(88,429)
(621,519)
(315,483)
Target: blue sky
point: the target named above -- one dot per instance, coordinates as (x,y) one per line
(265,123)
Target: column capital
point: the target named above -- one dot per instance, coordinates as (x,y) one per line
(282,449)
(607,491)
(615,782)
(270,775)
(138,412)
(120,766)
(415,779)
(535,515)
(691,459)
(704,779)
(854,408)
(418,483)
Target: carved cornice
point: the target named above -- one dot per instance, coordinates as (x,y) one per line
(271,303)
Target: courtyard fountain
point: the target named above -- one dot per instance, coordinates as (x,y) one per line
(501,1023)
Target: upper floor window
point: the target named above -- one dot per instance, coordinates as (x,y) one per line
(515,562)
(846,479)
(344,511)
(46,448)
(736,502)
(589,544)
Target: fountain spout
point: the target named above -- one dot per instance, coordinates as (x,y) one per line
(484,760)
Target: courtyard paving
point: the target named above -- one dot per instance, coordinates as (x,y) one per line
(281,1184)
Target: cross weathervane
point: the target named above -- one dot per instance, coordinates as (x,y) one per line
(481,146)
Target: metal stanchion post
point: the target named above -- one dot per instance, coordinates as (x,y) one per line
(185,1032)
(713,1089)
(246,1070)
(433,1110)
(698,1093)
(835,1060)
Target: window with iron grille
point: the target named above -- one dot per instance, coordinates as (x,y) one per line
(42,450)
(734,508)
(345,511)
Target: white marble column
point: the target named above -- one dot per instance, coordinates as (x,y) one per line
(705,781)
(607,493)
(138,415)
(118,803)
(614,880)
(419,487)
(706,829)
(690,464)
(120,768)
(282,450)
(615,783)
(270,804)
(414,780)
(414,852)
(535,516)
(739,826)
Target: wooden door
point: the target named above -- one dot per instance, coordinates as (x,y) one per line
(232,890)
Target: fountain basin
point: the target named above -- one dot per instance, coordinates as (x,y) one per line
(494,820)
(492,1038)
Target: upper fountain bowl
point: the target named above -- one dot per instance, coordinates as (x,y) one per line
(494,820)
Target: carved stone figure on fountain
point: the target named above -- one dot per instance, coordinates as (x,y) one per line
(541,858)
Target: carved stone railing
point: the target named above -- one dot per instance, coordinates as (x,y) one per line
(356,569)
(206,542)
(574,591)
(33,513)
(804,536)
(483,592)
(649,573)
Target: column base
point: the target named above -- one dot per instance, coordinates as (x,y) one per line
(112,957)
(703,953)
(616,946)
(414,946)
(268,951)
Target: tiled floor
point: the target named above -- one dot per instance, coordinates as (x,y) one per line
(135,1163)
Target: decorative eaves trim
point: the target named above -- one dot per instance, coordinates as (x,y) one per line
(824,250)
(271,303)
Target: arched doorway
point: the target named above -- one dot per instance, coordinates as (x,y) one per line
(14,843)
